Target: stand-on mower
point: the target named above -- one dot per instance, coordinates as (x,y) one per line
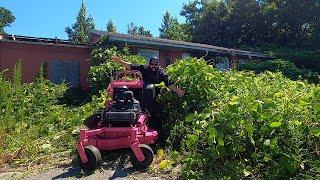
(122,124)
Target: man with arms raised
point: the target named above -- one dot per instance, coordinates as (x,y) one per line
(152,74)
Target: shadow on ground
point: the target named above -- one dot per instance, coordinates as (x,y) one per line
(115,164)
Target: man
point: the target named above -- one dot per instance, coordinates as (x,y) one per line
(152,74)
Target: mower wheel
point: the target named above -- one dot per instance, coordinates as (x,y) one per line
(148,154)
(94,158)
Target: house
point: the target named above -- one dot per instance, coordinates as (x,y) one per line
(169,50)
(63,60)
(69,62)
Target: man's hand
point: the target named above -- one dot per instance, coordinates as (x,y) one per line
(120,61)
(115,58)
(180,92)
(177,90)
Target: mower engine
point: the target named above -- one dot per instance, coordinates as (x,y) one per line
(124,108)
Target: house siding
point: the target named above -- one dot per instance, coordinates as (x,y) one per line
(168,57)
(164,55)
(33,55)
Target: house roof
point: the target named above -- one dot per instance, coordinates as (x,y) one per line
(39,40)
(166,43)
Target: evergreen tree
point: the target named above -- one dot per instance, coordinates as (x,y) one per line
(6,18)
(111,27)
(172,29)
(79,32)
(135,30)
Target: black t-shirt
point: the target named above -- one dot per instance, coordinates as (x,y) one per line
(152,77)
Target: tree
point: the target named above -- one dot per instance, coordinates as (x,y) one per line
(292,23)
(111,27)
(143,32)
(135,30)
(172,29)
(207,21)
(246,22)
(6,18)
(132,29)
(79,32)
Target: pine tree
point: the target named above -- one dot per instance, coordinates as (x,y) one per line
(135,30)
(79,32)
(172,29)
(6,18)
(111,27)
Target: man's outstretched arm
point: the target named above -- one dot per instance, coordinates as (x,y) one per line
(177,90)
(171,85)
(123,63)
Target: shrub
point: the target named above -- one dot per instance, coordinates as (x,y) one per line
(239,124)
(286,67)
(34,125)
(102,69)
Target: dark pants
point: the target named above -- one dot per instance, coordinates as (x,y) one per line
(152,106)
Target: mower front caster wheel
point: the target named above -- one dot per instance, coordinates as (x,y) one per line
(148,154)
(94,158)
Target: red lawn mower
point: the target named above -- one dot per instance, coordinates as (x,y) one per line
(122,124)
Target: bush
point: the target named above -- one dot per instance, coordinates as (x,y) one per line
(303,59)
(312,77)
(239,124)
(102,69)
(34,125)
(286,67)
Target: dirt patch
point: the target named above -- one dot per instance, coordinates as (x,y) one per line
(116,165)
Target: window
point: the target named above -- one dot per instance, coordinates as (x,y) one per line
(65,71)
(243,61)
(223,64)
(185,55)
(148,53)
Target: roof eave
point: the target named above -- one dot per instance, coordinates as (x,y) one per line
(179,46)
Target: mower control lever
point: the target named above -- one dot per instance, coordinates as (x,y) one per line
(128,74)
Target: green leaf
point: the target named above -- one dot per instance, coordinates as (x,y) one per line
(75,131)
(267,158)
(192,138)
(267,142)
(252,141)
(275,124)
(317,107)
(315,131)
(211,133)
(189,118)
(246,173)
(249,129)
(166,164)
(317,164)
(266,115)
(278,95)
(220,141)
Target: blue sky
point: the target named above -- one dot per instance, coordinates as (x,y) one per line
(48,18)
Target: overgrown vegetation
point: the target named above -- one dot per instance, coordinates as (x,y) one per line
(287,68)
(102,67)
(35,127)
(238,124)
(228,125)
(303,59)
